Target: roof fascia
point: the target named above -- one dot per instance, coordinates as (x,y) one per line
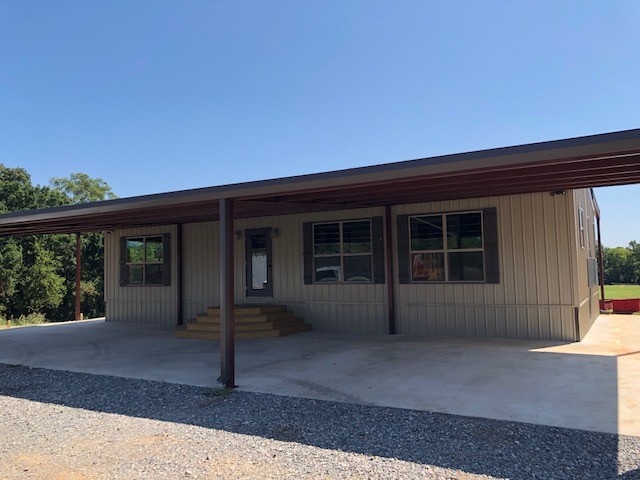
(543,152)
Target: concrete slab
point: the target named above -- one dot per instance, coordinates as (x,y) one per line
(590,385)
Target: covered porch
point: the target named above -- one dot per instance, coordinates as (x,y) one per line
(553,167)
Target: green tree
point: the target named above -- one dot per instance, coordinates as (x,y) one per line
(37,272)
(42,285)
(621,264)
(30,271)
(634,262)
(10,265)
(81,188)
(17,193)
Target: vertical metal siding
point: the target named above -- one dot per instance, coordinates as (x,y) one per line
(153,304)
(534,297)
(200,261)
(357,308)
(586,298)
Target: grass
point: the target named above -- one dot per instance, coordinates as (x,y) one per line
(613,292)
(31,319)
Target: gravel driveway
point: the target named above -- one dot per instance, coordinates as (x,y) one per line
(62,425)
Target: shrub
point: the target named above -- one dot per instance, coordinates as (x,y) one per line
(30,319)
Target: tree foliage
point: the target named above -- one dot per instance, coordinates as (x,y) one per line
(621,264)
(81,188)
(37,272)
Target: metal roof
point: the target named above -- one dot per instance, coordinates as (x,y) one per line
(582,162)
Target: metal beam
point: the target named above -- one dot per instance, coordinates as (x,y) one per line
(587,168)
(78,313)
(449,192)
(422,191)
(539,180)
(391,303)
(479,180)
(227,344)
(614,149)
(180,319)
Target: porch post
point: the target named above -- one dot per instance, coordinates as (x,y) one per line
(180,319)
(227,354)
(391,301)
(78,313)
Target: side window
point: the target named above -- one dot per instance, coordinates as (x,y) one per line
(342,252)
(427,248)
(447,248)
(144,261)
(581,230)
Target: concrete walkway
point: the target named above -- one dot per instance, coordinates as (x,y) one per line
(592,385)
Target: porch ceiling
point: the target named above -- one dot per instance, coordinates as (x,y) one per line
(593,161)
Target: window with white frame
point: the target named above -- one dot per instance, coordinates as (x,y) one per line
(145,260)
(342,251)
(447,247)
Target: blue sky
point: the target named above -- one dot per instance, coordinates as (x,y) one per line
(156,95)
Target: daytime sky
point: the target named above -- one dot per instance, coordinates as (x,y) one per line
(166,95)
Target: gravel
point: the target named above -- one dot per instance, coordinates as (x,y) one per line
(56,424)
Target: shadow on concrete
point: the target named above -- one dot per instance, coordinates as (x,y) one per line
(565,385)
(474,445)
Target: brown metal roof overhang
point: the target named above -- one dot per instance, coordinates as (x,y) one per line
(591,161)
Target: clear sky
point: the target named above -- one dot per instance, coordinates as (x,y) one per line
(158,95)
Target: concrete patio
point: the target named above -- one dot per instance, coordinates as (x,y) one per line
(592,385)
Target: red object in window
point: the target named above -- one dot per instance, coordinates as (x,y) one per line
(629,305)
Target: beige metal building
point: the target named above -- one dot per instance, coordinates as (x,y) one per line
(493,243)
(543,290)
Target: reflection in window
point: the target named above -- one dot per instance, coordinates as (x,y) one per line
(464,231)
(145,259)
(259,266)
(466,266)
(426,233)
(326,239)
(447,247)
(342,251)
(327,269)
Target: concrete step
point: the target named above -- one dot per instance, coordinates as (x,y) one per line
(269,317)
(180,333)
(249,310)
(245,326)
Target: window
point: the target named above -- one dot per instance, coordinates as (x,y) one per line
(447,247)
(581,227)
(342,252)
(144,260)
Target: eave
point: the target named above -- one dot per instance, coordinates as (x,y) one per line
(583,162)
